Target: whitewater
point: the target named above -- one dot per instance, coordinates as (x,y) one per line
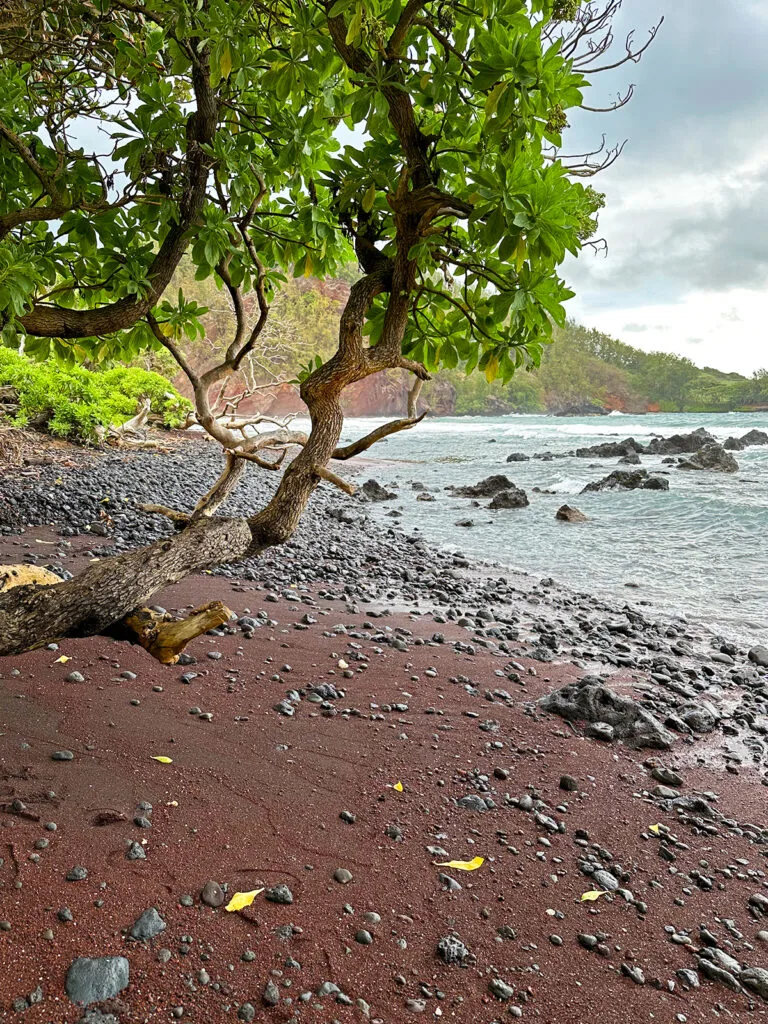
(697,551)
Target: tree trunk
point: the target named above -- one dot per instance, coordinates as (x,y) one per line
(33,616)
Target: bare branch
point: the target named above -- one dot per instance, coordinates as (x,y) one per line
(250,456)
(337,481)
(400,31)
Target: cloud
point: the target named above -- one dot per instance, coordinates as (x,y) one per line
(686,217)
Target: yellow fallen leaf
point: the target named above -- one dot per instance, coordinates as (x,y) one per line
(62,660)
(463,865)
(592,895)
(161,759)
(398,786)
(242,899)
(656,829)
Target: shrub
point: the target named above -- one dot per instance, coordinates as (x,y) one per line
(74,402)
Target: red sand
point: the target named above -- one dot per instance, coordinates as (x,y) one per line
(257,802)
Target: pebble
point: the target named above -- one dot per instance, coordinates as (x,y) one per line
(212,894)
(342,875)
(271,994)
(279,894)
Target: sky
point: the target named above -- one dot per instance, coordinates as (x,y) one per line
(686,217)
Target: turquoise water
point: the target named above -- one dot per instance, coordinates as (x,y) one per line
(698,550)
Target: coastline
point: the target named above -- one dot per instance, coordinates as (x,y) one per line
(444,701)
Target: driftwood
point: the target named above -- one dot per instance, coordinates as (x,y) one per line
(160,635)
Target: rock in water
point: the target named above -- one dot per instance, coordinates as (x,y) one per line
(628,480)
(713,458)
(94,980)
(588,700)
(680,444)
(755,437)
(515,497)
(567,514)
(610,449)
(375,492)
(486,488)
(759,656)
(518,457)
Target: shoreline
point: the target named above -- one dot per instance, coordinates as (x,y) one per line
(444,701)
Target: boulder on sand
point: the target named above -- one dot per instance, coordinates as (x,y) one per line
(96,979)
(485,488)
(628,480)
(713,458)
(513,497)
(567,514)
(588,700)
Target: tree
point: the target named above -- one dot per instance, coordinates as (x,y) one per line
(136,131)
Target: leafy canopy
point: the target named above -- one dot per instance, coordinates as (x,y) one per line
(133,132)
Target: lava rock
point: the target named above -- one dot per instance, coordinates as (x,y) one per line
(279,894)
(148,926)
(375,492)
(94,980)
(567,514)
(628,480)
(485,488)
(589,700)
(513,497)
(452,950)
(713,458)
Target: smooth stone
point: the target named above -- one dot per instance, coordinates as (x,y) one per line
(212,894)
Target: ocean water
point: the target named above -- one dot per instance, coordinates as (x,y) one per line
(699,550)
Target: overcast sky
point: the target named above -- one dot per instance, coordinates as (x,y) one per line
(686,215)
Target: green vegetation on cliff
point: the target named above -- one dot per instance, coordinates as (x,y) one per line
(582,367)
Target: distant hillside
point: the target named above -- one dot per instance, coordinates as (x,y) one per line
(584,367)
(581,369)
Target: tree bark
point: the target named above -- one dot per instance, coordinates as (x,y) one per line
(33,616)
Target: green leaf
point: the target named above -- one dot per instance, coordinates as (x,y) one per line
(225,61)
(369,197)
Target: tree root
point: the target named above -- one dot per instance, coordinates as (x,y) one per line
(160,635)
(164,637)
